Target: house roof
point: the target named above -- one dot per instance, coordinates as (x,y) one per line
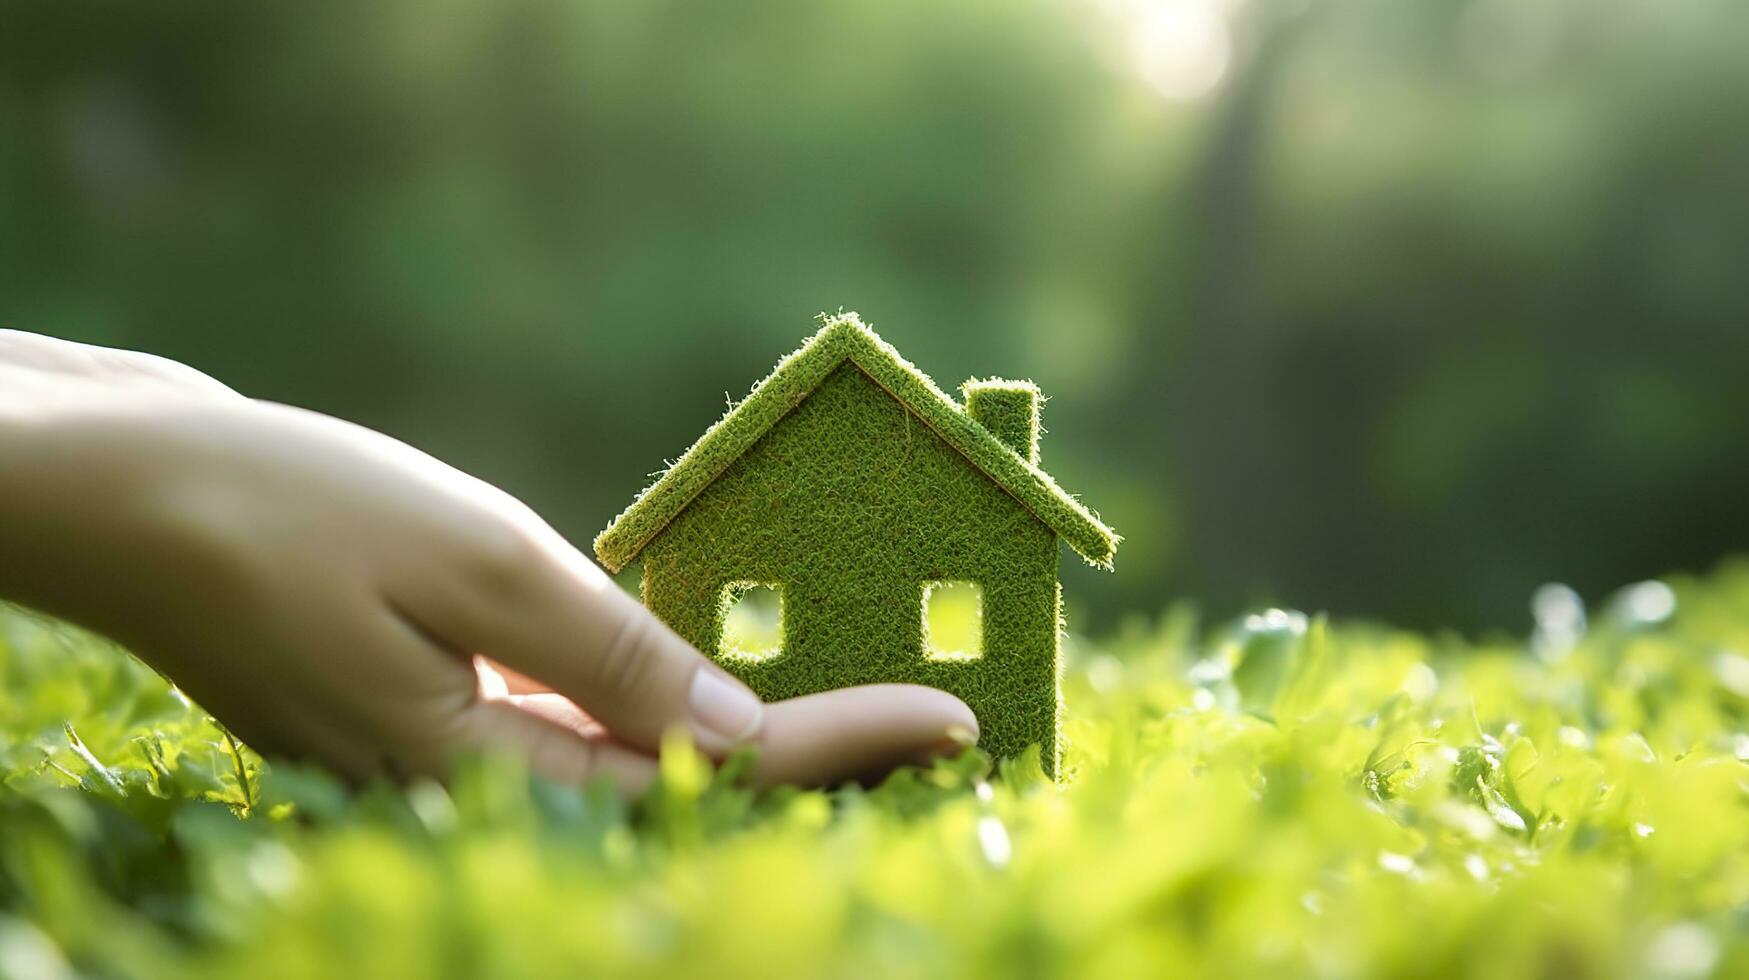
(844,338)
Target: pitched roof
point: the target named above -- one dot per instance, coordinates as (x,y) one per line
(844,338)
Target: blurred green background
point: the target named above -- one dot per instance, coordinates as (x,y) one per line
(1394,307)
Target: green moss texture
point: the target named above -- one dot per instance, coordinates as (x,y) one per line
(850,481)
(1009,409)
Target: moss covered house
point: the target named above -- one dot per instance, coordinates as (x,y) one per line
(852,496)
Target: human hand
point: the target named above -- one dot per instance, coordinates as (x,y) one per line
(326,591)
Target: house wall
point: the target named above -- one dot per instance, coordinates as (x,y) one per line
(851,503)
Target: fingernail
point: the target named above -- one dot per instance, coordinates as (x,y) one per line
(725,709)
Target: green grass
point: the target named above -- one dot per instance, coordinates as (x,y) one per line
(1271,797)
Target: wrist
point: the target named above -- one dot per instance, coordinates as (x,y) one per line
(78,467)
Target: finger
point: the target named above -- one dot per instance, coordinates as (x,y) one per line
(562,711)
(553,749)
(554,707)
(548,612)
(859,733)
(423,721)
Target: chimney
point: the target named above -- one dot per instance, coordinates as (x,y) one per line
(1009,409)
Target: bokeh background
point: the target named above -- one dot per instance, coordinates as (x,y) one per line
(1388,307)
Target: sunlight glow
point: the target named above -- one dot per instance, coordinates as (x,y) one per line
(753,621)
(1181,48)
(953,621)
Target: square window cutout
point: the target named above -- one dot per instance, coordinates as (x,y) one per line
(752,621)
(953,621)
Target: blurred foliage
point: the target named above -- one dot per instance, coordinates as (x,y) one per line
(1275,796)
(1321,287)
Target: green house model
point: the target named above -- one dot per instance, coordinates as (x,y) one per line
(853,490)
